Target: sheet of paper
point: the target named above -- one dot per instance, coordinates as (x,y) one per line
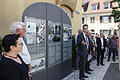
(89,56)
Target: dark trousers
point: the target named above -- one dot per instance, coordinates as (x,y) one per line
(111,50)
(82,66)
(100,53)
(87,66)
(77,58)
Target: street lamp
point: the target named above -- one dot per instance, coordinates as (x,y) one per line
(119,44)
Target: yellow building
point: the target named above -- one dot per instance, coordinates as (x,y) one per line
(12,10)
(51,57)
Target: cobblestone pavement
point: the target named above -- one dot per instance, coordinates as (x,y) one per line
(97,74)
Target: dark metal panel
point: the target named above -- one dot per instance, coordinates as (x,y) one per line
(66,68)
(50,12)
(54,73)
(37,10)
(53,13)
(57,72)
(41,75)
(46,41)
(65,18)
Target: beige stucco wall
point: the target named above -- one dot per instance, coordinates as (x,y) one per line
(12,10)
(77,20)
(8,13)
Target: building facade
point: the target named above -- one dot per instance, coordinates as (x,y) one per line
(96,13)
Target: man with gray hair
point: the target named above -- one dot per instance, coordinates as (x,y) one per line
(77,55)
(18,28)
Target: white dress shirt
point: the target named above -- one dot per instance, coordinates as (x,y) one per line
(95,41)
(76,38)
(87,40)
(25,54)
(101,41)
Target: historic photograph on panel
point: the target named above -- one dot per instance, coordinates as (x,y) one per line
(35,39)
(54,31)
(67,32)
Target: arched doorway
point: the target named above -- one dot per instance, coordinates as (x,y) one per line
(49,40)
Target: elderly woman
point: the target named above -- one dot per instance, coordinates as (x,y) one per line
(12,67)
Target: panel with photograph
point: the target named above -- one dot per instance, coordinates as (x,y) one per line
(67,42)
(35,39)
(54,42)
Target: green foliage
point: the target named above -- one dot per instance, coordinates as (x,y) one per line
(73,51)
(1,49)
(115,11)
(115,1)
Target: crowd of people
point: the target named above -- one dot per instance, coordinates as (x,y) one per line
(15,62)
(90,47)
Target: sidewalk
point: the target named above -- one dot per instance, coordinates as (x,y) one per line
(97,74)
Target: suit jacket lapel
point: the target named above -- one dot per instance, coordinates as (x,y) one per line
(83,37)
(101,42)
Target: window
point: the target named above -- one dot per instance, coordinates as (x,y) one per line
(105,19)
(106,5)
(92,19)
(92,30)
(94,7)
(83,20)
(83,9)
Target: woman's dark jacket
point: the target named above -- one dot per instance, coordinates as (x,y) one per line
(11,70)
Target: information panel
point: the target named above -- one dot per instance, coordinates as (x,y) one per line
(54,43)
(67,42)
(35,40)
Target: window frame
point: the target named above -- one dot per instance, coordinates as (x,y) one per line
(96,7)
(103,18)
(92,19)
(108,7)
(83,20)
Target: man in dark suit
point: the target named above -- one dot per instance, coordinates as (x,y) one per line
(82,49)
(90,48)
(101,44)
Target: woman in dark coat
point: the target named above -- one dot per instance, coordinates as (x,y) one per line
(12,67)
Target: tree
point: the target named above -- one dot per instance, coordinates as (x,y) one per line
(115,11)
(1,49)
(116,15)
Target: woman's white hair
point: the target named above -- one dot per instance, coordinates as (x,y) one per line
(16,25)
